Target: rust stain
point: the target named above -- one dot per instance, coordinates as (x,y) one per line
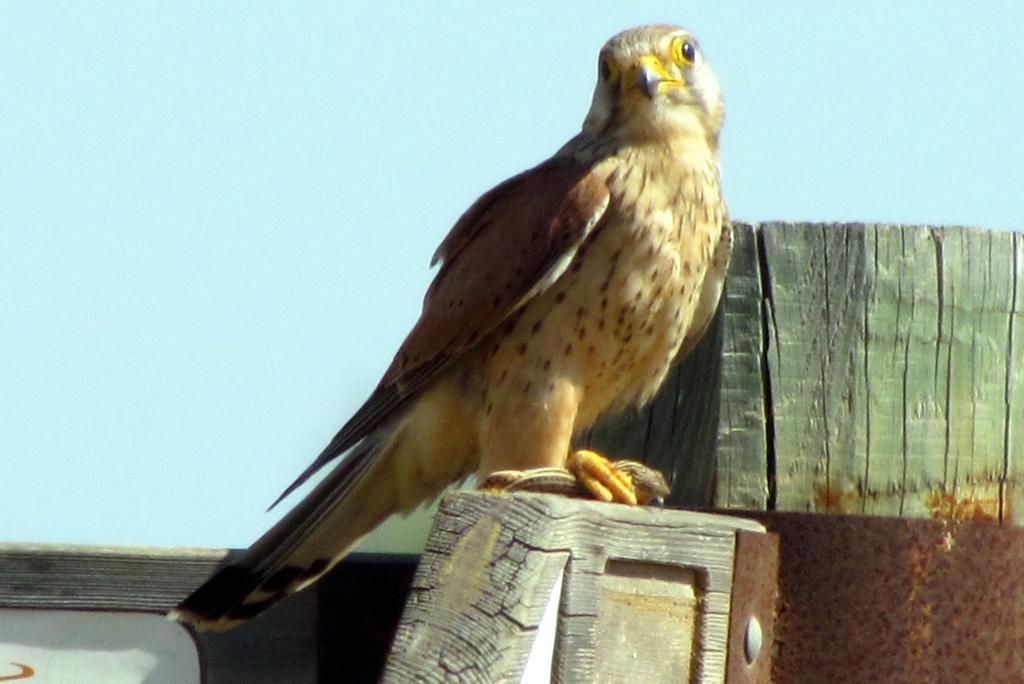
(920,636)
(836,499)
(947,506)
(25,673)
(941,504)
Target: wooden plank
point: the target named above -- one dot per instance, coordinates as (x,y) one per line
(816,276)
(892,371)
(743,467)
(979,293)
(1013,495)
(492,563)
(100,577)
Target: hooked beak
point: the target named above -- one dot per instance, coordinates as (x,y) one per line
(650,74)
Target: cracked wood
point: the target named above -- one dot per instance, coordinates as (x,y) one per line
(492,562)
(893,381)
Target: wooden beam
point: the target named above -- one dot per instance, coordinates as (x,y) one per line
(496,564)
(865,368)
(896,384)
(743,467)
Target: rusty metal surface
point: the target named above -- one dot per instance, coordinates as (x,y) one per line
(866,599)
(754,592)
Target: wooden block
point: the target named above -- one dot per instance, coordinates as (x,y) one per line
(572,591)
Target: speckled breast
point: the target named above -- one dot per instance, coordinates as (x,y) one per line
(622,309)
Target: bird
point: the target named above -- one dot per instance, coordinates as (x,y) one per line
(564,293)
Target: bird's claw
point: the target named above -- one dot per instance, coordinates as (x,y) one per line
(627,482)
(601,478)
(587,474)
(649,485)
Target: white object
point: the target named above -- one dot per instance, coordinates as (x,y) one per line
(94,647)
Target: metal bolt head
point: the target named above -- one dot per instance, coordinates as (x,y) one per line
(752,640)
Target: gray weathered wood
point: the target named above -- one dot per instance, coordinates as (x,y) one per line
(865,368)
(894,384)
(100,577)
(492,563)
(743,467)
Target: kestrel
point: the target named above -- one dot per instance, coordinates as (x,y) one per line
(564,293)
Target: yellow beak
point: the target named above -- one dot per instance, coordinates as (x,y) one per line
(650,74)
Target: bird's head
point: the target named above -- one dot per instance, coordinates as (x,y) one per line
(653,82)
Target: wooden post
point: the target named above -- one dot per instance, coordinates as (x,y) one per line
(534,587)
(895,368)
(866,368)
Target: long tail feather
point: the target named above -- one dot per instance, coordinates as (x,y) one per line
(306,543)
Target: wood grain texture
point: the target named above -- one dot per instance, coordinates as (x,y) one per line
(873,369)
(894,380)
(743,463)
(492,561)
(815,296)
(100,578)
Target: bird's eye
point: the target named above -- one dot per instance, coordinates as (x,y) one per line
(684,51)
(607,69)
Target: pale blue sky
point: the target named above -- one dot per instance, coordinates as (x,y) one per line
(216,218)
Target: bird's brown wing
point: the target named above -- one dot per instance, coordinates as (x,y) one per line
(510,245)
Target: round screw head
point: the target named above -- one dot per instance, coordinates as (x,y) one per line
(752,640)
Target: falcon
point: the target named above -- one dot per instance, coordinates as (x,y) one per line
(564,293)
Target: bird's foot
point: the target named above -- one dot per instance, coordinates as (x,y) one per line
(587,474)
(627,482)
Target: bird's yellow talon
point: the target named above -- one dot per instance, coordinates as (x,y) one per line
(601,477)
(594,486)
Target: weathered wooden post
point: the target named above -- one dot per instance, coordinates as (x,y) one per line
(890,371)
(536,588)
(874,369)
